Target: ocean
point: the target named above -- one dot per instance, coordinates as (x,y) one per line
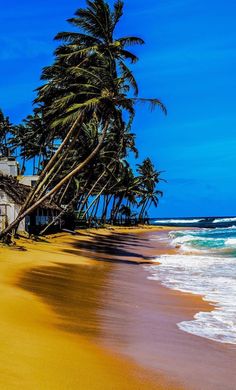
(205,264)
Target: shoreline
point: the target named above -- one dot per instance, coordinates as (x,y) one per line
(36,280)
(40,353)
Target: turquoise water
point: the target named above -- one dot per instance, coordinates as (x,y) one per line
(221,240)
(205,264)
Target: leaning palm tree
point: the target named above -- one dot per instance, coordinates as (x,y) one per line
(82,87)
(76,59)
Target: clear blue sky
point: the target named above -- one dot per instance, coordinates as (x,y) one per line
(189,62)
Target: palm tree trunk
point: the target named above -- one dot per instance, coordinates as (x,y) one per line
(44,177)
(98,196)
(118,206)
(93,209)
(58,216)
(107,201)
(91,190)
(96,210)
(113,209)
(65,191)
(143,209)
(94,200)
(50,166)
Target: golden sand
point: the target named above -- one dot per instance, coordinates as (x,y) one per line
(35,352)
(78,312)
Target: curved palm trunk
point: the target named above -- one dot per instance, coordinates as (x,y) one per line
(61,147)
(91,216)
(91,190)
(58,217)
(50,168)
(41,186)
(107,201)
(118,206)
(92,203)
(65,191)
(113,209)
(52,176)
(79,201)
(143,209)
(51,180)
(96,209)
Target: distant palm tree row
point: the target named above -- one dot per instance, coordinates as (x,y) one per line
(79,135)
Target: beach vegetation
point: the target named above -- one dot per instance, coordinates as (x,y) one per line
(79,136)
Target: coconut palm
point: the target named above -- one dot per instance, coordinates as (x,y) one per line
(149,178)
(86,82)
(5,130)
(32,141)
(97,28)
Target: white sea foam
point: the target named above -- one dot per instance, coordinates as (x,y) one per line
(155,237)
(189,221)
(212,277)
(230,242)
(177,221)
(221,220)
(187,238)
(186,243)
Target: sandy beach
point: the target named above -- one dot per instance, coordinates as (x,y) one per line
(78,312)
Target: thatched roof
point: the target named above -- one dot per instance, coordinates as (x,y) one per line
(18,192)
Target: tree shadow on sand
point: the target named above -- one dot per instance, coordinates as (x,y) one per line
(113,248)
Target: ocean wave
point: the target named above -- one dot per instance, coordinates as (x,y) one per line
(212,277)
(191,243)
(198,221)
(177,221)
(222,220)
(230,242)
(204,239)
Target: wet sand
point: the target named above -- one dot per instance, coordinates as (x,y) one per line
(79,312)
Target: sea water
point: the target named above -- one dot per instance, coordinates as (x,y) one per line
(205,264)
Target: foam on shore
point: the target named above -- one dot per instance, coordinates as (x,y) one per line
(203,276)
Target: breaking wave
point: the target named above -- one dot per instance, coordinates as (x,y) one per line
(205,265)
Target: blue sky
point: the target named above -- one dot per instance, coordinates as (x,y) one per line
(189,62)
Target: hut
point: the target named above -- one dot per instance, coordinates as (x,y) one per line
(12,196)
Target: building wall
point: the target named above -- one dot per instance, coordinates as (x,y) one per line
(28,180)
(9,211)
(8,167)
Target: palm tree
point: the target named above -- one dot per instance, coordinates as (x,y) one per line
(149,178)
(84,86)
(72,79)
(5,130)
(97,28)
(32,141)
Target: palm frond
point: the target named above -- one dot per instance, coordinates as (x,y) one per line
(128,56)
(129,41)
(152,102)
(127,74)
(118,12)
